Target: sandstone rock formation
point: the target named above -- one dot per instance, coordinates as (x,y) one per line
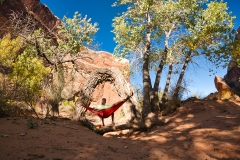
(224,91)
(84,67)
(121,86)
(232,79)
(47,20)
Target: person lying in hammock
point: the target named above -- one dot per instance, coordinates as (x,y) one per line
(104,106)
(104,111)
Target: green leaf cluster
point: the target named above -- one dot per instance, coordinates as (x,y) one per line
(200,27)
(130,27)
(77,31)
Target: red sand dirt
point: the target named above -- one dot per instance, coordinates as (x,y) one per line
(198,130)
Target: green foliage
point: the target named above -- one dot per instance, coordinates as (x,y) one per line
(69,103)
(203,30)
(126,72)
(73,35)
(78,31)
(235,54)
(130,27)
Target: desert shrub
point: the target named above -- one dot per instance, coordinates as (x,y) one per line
(27,77)
(171,106)
(198,95)
(69,103)
(172,102)
(22,73)
(9,48)
(31,124)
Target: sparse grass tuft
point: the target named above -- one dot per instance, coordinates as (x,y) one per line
(32,124)
(171,106)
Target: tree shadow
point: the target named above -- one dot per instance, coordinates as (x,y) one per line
(199,130)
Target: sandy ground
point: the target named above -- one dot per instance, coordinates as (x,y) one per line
(199,130)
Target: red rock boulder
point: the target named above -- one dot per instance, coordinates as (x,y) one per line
(224,91)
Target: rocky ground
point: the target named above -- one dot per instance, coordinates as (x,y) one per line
(198,130)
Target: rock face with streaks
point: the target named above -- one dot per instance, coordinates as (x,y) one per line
(42,14)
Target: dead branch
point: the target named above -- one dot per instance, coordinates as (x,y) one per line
(140,126)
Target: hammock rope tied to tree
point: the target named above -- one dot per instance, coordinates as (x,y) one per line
(105,113)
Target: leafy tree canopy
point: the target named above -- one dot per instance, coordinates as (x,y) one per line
(8,50)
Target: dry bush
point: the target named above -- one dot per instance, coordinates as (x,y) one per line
(171,106)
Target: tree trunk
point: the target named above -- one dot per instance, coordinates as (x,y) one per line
(146,77)
(155,99)
(178,85)
(165,92)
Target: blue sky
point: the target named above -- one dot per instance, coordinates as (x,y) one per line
(100,11)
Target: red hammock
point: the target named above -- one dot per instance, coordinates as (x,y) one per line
(105,113)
